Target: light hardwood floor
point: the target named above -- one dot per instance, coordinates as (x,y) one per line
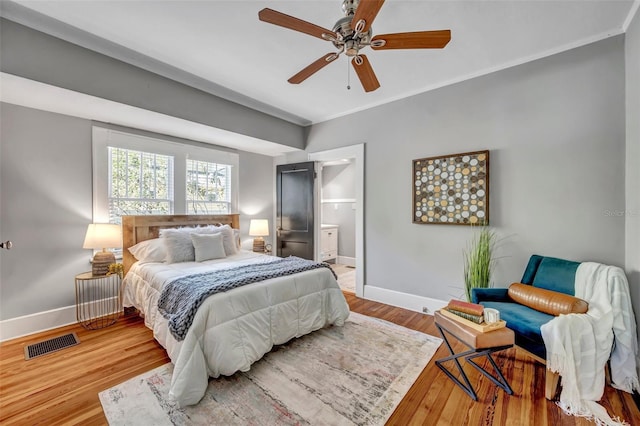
(62,387)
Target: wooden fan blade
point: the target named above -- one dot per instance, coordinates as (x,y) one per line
(313,68)
(415,40)
(277,18)
(367,10)
(365,74)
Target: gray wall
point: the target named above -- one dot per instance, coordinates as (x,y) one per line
(45,187)
(46,204)
(256,194)
(339,182)
(632,213)
(34,55)
(556,131)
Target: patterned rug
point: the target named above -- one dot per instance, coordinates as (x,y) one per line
(356,374)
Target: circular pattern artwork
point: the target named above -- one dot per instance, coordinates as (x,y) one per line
(452,189)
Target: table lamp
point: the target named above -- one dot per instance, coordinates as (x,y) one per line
(103,236)
(259,228)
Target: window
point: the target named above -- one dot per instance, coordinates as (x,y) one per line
(135,174)
(139,183)
(208,187)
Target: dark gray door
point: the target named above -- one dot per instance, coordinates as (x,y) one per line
(294,211)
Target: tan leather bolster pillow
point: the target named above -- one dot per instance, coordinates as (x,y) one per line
(547,301)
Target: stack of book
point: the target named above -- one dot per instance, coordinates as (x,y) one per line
(469,311)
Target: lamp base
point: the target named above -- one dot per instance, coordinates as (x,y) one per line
(101,262)
(258,245)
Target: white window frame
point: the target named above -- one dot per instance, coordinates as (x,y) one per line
(104,138)
(227,186)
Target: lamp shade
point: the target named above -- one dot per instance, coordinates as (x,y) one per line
(259,228)
(103,235)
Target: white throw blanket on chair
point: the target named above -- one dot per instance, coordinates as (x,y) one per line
(579,345)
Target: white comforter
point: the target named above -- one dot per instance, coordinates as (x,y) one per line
(232,330)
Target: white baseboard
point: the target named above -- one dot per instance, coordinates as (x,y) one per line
(34,323)
(403,300)
(40,321)
(349,261)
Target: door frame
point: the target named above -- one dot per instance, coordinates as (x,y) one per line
(355,152)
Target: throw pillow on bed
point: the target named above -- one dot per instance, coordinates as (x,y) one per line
(208,246)
(236,239)
(178,244)
(228,238)
(149,251)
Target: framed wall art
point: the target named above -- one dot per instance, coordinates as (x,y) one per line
(452,189)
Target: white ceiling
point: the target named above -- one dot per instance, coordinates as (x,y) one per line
(223,43)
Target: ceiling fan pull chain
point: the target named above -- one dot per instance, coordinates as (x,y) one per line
(348,76)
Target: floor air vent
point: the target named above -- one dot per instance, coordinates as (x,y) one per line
(51,345)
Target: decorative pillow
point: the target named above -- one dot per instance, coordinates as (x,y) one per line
(179,246)
(228,238)
(236,238)
(177,242)
(207,246)
(149,251)
(547,301)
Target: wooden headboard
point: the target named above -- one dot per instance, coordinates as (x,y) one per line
(136,229)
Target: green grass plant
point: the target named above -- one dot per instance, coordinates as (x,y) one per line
(479,260)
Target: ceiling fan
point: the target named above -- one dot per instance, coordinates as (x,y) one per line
(352,33)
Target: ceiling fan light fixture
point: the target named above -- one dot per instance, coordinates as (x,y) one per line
(351,48)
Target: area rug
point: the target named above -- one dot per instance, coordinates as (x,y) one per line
(351,375)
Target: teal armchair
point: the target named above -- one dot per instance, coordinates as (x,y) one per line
(547,273)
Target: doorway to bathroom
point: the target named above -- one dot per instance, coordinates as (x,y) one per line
(339,206)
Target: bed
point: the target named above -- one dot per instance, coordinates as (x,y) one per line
(232,329)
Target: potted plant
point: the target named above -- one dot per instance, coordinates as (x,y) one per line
(479,260)
(116,268)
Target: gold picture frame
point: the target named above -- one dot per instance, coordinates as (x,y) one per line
(451,189)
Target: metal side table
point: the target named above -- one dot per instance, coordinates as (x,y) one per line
(480,344)
(97,300)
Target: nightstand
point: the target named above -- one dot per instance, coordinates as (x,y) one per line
(97,300)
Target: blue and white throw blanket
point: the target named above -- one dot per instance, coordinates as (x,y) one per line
(181,298)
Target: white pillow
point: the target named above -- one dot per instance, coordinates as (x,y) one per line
(177,242)
(236,239)
(179,246)
(149,251)
(208,246)
(228,238)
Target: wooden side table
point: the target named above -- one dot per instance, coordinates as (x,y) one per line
(479,344)
(97,300)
